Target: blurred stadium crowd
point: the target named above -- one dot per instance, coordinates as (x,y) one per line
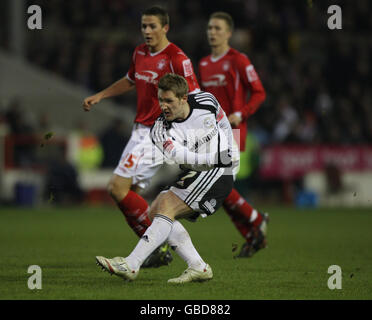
(317,79)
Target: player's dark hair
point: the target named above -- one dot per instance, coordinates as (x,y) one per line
(159,12)
(223,16)
(175,83)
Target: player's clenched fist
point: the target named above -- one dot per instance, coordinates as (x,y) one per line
(235,119)
(88,102)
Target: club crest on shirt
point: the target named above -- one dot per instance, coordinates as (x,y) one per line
(161,64)
(208,123)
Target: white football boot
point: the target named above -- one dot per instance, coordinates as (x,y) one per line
(190,275)
(117,266)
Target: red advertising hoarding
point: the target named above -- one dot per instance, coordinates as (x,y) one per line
(293,161)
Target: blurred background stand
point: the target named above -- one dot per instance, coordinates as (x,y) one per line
(312,117)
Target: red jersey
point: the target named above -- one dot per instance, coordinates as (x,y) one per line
(145,71)
(229,78)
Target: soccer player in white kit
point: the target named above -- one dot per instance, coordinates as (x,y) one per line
(193,132)
(151,60)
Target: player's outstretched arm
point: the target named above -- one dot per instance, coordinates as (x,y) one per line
(119,87)
(252,82)
(181,155)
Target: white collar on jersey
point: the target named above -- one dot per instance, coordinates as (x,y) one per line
(215,59)
(155,53)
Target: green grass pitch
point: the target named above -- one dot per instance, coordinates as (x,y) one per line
(302,244)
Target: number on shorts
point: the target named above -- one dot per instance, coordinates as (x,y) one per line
(129,162)
(189,175)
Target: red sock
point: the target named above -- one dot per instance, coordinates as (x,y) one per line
(135,209)
(241,213)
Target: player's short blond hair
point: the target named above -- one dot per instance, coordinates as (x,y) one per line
(175,83)
(223,16)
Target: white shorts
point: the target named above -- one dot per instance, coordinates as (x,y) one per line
(203,191)
(140,159)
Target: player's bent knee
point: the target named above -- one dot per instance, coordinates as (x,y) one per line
(151,215)
(168,204)
(118,188)
(161,205)
(157,207)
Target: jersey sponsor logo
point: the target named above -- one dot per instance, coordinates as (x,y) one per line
(187,68)
(161,64)
(208,123)
(141,53)
(217,80)
(204,63)
(200,141)
(251,73)
(148,76)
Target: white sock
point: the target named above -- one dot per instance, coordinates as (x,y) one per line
(179,239)
(154,236)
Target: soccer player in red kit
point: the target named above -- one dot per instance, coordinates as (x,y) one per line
(229,76)
(150,61)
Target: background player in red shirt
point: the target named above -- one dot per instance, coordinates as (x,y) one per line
(151,60)
(229,76)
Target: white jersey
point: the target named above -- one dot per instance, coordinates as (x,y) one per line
(202,141)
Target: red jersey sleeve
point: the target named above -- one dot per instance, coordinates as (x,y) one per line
(251,82)
(131,71)
(182,66)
